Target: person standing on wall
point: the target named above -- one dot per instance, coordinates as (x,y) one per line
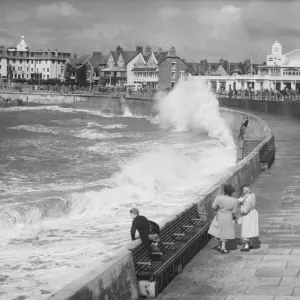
(249,218)
(222,226)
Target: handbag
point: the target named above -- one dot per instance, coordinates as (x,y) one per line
(215,228)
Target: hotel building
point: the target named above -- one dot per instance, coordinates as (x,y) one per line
(26,64)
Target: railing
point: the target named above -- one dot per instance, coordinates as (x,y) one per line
(285,107)
(278,97)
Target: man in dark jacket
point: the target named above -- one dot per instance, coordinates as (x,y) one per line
(148,230)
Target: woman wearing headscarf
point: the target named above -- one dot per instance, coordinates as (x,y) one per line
(249,217)
(222,226)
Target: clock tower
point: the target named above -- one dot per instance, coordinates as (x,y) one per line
(276,58)
(276,49)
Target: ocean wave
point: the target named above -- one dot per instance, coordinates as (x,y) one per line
(93,134)
(35,128)
(110,126)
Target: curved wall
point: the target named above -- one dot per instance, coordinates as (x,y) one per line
(117,280)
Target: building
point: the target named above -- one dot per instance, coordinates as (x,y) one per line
(26,64)
(279,72)
(3,63)
(156,70)
(171,68)
(144,68)
(116,71)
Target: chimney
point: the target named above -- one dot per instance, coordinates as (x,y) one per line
(75,56)
(139,49)
(119,50)
(159,50)
(172,52)
(148,50)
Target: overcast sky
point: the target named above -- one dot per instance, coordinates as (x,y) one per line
(197,29)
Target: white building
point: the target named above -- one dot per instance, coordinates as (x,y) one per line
(27,64)
(280,71)
(3,63)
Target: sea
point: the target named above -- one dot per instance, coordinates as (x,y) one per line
(68,178)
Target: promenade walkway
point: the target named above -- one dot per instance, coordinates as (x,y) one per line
(268,273)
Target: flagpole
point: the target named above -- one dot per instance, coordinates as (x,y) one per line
(251,62)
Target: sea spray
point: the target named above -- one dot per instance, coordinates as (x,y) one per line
(190,105)
(48,243)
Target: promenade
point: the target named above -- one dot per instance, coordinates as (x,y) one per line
(268,273)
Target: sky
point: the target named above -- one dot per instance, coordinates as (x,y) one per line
(198,29)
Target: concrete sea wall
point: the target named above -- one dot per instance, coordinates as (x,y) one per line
(117,280)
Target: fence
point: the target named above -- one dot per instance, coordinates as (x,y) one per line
(285,107)
(278,97)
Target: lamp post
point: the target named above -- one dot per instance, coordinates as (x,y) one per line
(275,75)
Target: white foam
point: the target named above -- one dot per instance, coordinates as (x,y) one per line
(93,134)
(192,106)
(35,128)
(162,176)
(108,126)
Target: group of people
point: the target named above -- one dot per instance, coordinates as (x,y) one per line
(230,212)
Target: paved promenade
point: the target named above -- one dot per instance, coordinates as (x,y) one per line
(268,273)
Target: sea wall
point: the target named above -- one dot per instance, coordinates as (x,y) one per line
(117,280)
(113,281)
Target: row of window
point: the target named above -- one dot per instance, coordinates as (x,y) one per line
(31,70)
(145,74)
(27,76)
(147,65)
(288,72)
(35,61)
(112,73)
(37,54)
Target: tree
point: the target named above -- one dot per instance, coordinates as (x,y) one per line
(226,65)
(68,72)
(204,65)
(9,73)
(81,75)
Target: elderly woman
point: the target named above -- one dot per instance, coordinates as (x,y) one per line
(249,218)
(222,226)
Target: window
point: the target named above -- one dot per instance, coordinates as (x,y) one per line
(27,69)
(14,61)
(48,70)
(173,84)
(181,74)
(47,76)
(173,74)
(43,69)
(173,65)
(37,70)
(31,69)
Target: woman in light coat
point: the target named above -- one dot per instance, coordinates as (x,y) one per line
(249,218)
(222,226)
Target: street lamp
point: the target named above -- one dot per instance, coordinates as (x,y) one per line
(275,74)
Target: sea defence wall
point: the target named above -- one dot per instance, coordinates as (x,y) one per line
(117,280)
